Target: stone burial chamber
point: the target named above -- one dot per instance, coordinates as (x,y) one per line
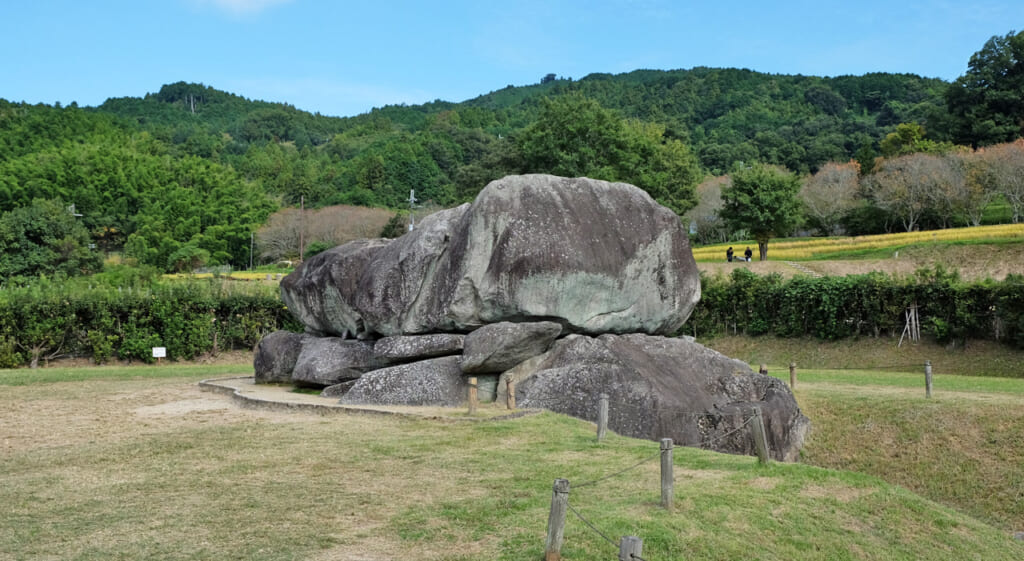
(572,287)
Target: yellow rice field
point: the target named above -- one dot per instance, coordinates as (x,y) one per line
(812,248)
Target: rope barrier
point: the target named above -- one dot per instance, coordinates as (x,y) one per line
(599,532)
(609,476)
(592,527)
(733,431)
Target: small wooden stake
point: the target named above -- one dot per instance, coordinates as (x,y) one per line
(928,379)
(556,520)
(792,376)
(760,438)
(630,548)
(666,473)
(472,395)
(602,416)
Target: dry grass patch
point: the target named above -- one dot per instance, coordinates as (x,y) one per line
(154,469)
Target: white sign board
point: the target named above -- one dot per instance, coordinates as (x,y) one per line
(159,352)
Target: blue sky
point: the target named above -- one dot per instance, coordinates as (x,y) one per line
(344,58)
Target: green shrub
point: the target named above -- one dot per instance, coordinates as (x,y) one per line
(831,308)
(78,318)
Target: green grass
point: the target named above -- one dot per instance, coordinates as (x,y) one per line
(86,476)
(963,448)
(907,380)
(23,376)
(977,358)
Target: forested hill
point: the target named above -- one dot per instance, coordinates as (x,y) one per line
(726,115)
(731,115)
(186,174)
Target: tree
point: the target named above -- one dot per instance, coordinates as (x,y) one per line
(987,102)
(278,239)
(44,238)
(830,194)
(705,219)
(764,200)
(903,186)
(979,189)
(575,137)
(1002,170)
(909,138)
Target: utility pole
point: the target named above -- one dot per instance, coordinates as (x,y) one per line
(412,205)
(252,238)
(302,225)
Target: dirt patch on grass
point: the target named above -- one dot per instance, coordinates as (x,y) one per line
(839,492)
(150,406)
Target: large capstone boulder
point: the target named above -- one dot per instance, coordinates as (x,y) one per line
(436,382)
(325,361)
(499,346)
(661,387)
(275,357)
(593,256)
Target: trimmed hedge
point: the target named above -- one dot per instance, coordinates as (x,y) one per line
(189,318)
(949,310)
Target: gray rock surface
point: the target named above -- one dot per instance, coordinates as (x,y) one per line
(591,255)
(499,279)
(401,348)
(597,257)
(318,293)
(497,347)
(664,388)
(275,357)
(325,361)
(434,382)
(338,390)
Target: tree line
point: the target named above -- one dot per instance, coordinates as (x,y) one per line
(187,175)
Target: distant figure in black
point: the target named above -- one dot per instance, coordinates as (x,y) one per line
(728,254)
(748,253)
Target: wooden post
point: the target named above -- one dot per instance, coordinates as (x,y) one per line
(763,369)
(602,416)
(928,379)
(792,376)
(510,395)
(630,548)
(666,473)
(760,438)
(472,395)
(556,520)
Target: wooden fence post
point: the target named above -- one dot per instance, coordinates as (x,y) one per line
(602,416)
(556,520)
(666,473)
(630,548)
(510,395)
(928,379)
(760,438)
(472,395)
(792,376)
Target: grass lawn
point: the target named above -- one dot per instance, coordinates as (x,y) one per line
(109,466)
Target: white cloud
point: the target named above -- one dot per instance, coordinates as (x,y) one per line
(241,7)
